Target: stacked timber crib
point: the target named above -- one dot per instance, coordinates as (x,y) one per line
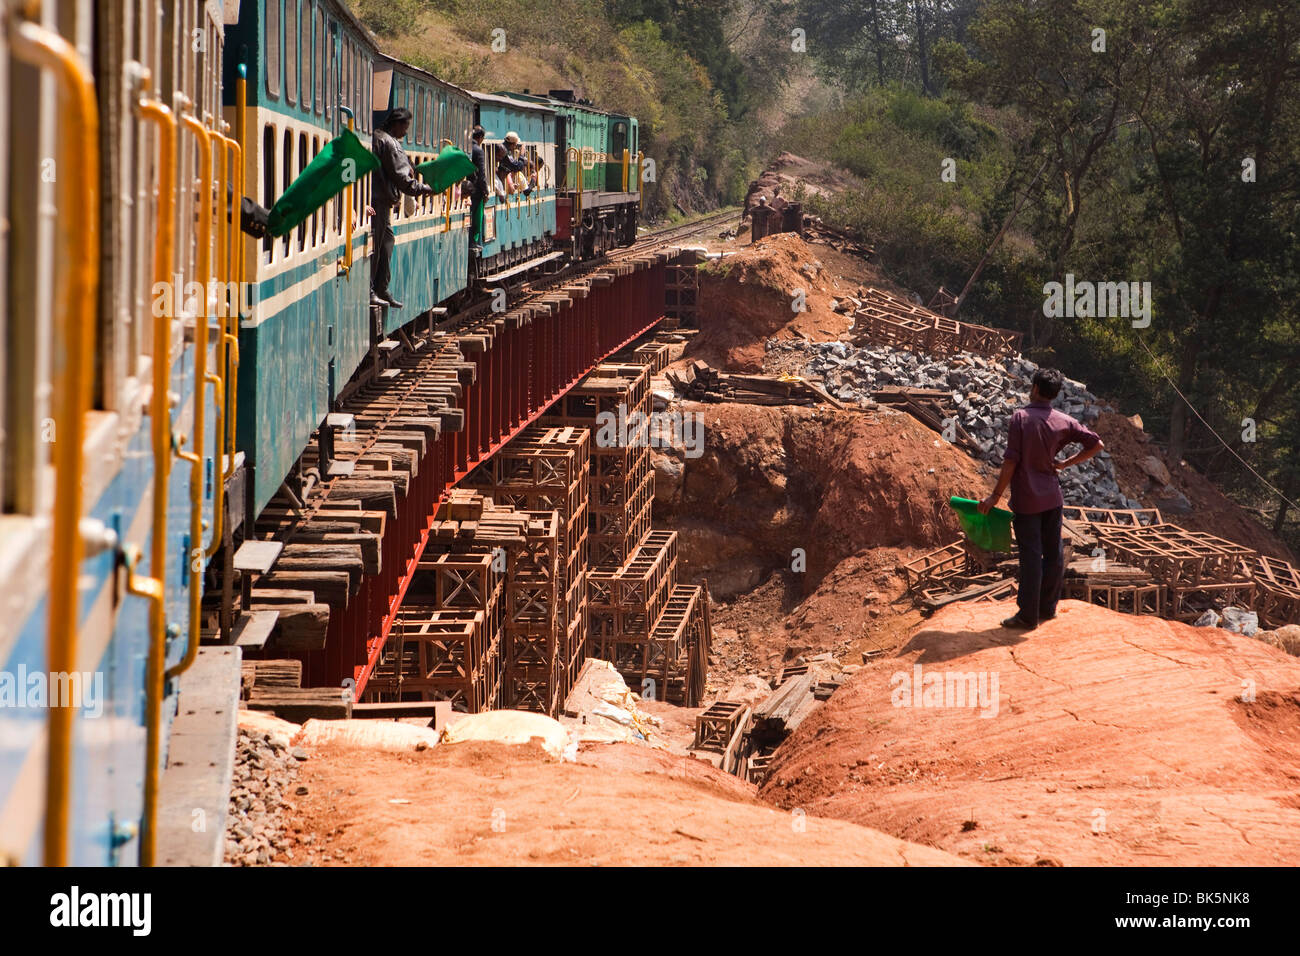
(1131,561)
(544,557)
(886,319)
(324,572)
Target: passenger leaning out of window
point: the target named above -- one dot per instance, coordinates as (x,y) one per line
(514,169)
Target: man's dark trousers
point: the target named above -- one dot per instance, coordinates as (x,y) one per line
(381,266)
(1042,564)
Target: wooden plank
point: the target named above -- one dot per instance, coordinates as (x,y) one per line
(300,627)
(331,587)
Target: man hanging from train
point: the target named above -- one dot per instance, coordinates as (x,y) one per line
(393,178)
(478,191)
(514,169)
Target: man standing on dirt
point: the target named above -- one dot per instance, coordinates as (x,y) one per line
(1035,435)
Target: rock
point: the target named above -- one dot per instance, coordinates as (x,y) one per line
(1173,501)
(299,753)
(1154,467)
(1135,421)
(1209,619)
(1240,621)
(1286,638)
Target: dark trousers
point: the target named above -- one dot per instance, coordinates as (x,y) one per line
(1042,564)
(381,227)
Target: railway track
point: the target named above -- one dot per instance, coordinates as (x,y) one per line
(444,334)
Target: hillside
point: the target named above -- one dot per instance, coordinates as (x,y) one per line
(695,74)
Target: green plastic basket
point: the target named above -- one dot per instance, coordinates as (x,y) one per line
(990,532)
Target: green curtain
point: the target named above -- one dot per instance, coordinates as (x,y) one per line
(450,167)
(343,161)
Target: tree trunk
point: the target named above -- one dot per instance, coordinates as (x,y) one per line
(922,49)
(880,50)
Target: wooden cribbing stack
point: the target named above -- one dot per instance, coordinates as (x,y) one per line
(549,468)
(1131,561)
(887,319)
(622,481)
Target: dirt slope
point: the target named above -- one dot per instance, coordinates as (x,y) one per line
(833,483)
(1115,741)
(749,297)
(490,804)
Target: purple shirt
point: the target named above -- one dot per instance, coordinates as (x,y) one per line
(1036,434)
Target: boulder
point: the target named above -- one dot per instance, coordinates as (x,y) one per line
(1154,467)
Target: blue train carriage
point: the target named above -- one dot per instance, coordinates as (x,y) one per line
(431,241)
(113,336)
(518,230)
(310,70)
(598,171)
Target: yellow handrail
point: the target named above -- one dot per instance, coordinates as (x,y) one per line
(218,379)
(241,98)
(447,227)
(627,158)
(195,458)
(79,238)
(640,174)
(345,266)
(236,277)
(574,161)
(155,111)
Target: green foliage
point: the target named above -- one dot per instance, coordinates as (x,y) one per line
(927,232)
(670,63)
(389,17)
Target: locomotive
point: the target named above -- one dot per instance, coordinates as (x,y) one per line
(163,371)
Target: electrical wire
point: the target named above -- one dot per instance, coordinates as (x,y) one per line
(1165,375)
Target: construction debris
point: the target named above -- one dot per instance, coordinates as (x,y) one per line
(885,319)
(1130,561)
(698,382)
(983,393)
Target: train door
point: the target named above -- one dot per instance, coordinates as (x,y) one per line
(614,166)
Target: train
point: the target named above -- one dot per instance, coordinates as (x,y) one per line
(163,370)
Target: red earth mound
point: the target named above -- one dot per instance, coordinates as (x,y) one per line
(831,483)
(487,804)
(751,296)
(1108,740)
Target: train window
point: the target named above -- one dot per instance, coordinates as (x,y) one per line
(273,47)
(346,97)
(302,164)
(331,71)
(367,74)
(268,179)
(315,216)
(320,59)
(430,130)
(286,178)
(356,86)
(291,51)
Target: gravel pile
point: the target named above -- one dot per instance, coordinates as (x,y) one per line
(266,767)
(984,391)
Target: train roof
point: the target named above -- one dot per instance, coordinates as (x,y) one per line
(510,99)
(423,74)
(556,103)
